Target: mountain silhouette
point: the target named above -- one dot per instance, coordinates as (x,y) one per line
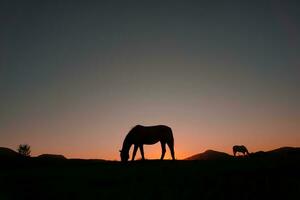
(286,150)
(6,153)
(276,154)
(210,155)
(292,153)
(51,157)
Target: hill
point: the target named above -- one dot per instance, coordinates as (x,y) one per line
(280,153)
(6,153)
(285,150)
(286,153)
(210,155)
(52,157)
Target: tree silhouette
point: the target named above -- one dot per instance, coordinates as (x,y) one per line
(24,149)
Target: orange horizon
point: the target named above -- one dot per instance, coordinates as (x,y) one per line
(151,152)
(84,137)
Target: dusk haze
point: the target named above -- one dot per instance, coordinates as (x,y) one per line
(77,76)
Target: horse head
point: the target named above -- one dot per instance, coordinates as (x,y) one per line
(124,156)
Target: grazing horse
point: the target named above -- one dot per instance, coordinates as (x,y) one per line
(140,135)
(240,148)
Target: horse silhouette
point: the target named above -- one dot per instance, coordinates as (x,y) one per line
(240,148)
(140,135)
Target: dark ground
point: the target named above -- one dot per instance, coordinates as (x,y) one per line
(240,178)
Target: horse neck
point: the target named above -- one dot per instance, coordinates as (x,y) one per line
(126,144)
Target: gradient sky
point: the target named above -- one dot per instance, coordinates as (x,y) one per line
(76,76)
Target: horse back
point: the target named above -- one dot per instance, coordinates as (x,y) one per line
(152,134)
(240,148)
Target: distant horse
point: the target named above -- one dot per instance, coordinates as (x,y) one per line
(140,135)
(240,148)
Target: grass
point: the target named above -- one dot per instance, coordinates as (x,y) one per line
(152,179)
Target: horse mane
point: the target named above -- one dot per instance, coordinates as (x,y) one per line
(127,137)
(133,128)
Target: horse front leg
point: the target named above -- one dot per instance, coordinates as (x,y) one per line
(163,150)
(142,152)
(134,151)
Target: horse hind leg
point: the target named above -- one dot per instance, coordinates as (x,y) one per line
(171,147)
(163,150)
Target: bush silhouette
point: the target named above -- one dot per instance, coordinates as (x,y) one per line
(24,150)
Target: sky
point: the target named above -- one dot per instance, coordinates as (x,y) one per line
(76,76)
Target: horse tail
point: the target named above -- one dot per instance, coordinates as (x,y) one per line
(171,138)
(171,143)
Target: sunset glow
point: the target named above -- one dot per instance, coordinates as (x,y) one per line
(75,78)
